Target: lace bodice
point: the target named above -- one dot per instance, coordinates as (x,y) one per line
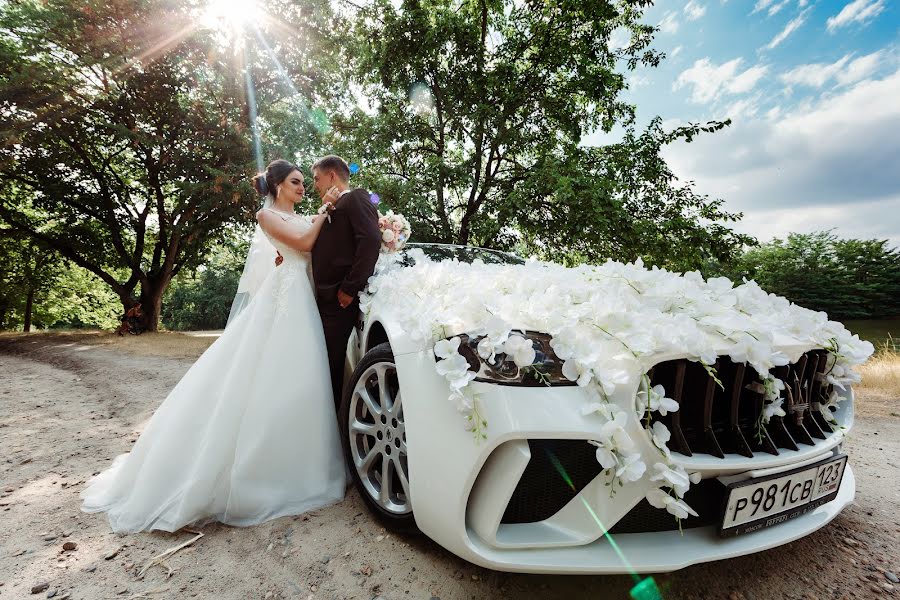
(302,223)
(294,260)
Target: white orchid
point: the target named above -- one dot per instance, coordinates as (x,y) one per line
(447,348)
(520,349)
(773,409)
(605,456)
(604,409)
(660,435)
(660,403)
(613,432)
(574,370)
(655,398)
(611,378)
(675,476)
(632,467)
(675,506)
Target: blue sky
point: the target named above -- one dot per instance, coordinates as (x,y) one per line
(813,91)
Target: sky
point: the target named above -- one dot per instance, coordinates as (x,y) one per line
(813,92)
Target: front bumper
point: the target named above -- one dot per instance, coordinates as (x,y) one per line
(460,488)
(656,552)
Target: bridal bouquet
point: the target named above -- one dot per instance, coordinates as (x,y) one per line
(395,231)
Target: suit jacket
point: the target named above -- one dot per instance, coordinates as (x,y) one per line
(347,248)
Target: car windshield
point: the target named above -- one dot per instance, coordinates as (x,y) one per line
(468,254)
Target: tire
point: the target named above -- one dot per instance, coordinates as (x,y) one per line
(373,435)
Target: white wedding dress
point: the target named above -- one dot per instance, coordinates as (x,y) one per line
(249,433)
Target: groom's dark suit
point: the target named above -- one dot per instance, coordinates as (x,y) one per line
(343,258)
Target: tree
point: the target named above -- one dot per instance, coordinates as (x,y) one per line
(39,288)
(848,279)
(28,271)
(201,299)
(617,201)
(128,131)
(476,109)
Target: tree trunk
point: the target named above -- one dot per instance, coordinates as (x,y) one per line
(29,305)
(151,301)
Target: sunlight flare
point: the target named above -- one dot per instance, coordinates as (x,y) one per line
(229,16)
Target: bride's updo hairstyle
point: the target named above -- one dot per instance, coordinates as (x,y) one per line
(275,174)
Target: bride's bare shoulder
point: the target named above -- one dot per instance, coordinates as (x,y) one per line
(267,214)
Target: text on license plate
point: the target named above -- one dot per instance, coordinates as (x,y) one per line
(752,504)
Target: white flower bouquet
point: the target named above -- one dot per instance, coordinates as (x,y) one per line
(395,231)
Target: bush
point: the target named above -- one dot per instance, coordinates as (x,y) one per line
(202,299)
(848,279)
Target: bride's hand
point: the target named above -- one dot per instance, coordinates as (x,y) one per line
(331,195)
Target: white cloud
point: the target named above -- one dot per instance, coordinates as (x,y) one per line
(742,109)
(693,10)
(761,5)
(619,38)
(858,221)
(792,26)
(844,71)
(747,80)
(636,80)
(857,11)
(816,74)
(830,163)
(669,24)
(675,51)
(776,8)
(860,68)
(709,81)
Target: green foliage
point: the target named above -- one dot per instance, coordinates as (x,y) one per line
(78,300)
(201,299)
(63,295)
(28,270)
(618,201)
(848,279)
(127,136)
(476,112)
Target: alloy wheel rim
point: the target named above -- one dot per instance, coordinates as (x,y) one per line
(377,434)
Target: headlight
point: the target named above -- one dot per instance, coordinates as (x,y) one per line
(546,370)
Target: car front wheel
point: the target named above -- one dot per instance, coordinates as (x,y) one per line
(373,434)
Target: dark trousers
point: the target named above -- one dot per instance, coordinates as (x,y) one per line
(338,324)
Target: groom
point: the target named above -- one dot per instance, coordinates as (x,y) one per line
(343,259)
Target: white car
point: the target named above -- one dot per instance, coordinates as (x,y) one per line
(531,497)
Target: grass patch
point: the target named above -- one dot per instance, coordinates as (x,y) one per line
(881,374)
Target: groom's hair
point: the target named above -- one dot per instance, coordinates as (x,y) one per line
(333,163)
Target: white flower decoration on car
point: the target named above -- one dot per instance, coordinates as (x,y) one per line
(674,506)
(660,435)
(520,349)
(609,325)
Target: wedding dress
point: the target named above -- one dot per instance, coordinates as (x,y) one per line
(249,433)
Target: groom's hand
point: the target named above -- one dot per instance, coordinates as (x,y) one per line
(278,259)
(344,300)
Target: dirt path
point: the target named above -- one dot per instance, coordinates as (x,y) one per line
(69,404)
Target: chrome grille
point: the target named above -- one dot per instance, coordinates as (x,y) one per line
(723,420)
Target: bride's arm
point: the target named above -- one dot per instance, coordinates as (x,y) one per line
(286,233)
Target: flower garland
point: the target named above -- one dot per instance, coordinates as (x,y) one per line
(608,325)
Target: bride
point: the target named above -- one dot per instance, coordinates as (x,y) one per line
(249,433)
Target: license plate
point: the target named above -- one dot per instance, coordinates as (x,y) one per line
(766,501)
